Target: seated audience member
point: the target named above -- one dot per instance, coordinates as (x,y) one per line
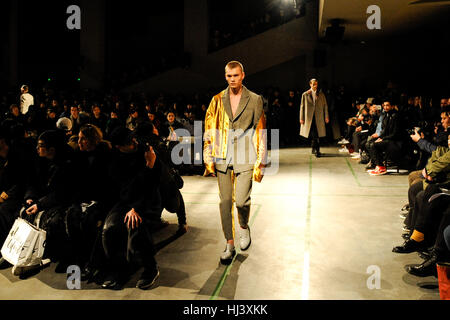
(435,174)
(362,131)
(172,199)
(170,127)
(389,142)
(98,119)
(65,125)
(133,119)
(441,135)
(429,147)
(50,121)
(17,164)
(126,237)
(373,137)
(14,114)
(77,122)
(52,192)
(372,125)
(155,121)
(352,124)
(113,122)
(438,218)
(84,219)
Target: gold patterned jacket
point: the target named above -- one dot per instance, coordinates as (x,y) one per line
(219,122)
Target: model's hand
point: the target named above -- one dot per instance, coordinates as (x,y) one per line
(32,210)
(211,174)
(302,122)
(327,120)
(3,197)
(378,140)
(132,218)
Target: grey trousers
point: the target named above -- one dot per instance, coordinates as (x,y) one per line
(237,188)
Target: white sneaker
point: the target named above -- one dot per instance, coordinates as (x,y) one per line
(227,256)
(343,149)
(244,238)
(343,141)
(354,154)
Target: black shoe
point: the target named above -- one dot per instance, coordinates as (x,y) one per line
(424,255)
(112,281)
(409,246)
(159,225)
(313,151)
(89,274)
(182,229)
(148,278)
(62,267)
(318,154)
(406,235)
(425,269)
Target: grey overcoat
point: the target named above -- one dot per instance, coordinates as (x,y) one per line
(308,109)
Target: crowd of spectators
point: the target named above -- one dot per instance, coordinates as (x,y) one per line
(411,132)
(80,171)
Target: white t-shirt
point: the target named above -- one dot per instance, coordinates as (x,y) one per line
(26,100)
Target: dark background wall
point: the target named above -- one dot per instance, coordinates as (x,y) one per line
(418,62)
(142,32)
(139,33)
(46,48)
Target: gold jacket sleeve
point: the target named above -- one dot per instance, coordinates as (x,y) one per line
(217,126)
(260,143)
(209,139)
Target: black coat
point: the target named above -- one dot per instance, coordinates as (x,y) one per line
(53,185)
(93,179)
(134,185)
(16,171)
(391,127)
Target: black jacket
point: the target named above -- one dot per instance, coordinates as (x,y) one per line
(391,127)
(93,176)
(15,171)
(134,185)
(53,185)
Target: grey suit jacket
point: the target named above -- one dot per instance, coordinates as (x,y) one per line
(240,149)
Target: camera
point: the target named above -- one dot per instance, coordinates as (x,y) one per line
(413,131)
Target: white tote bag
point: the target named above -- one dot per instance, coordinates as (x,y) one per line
(25,244)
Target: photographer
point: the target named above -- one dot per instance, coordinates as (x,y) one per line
(441,134)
